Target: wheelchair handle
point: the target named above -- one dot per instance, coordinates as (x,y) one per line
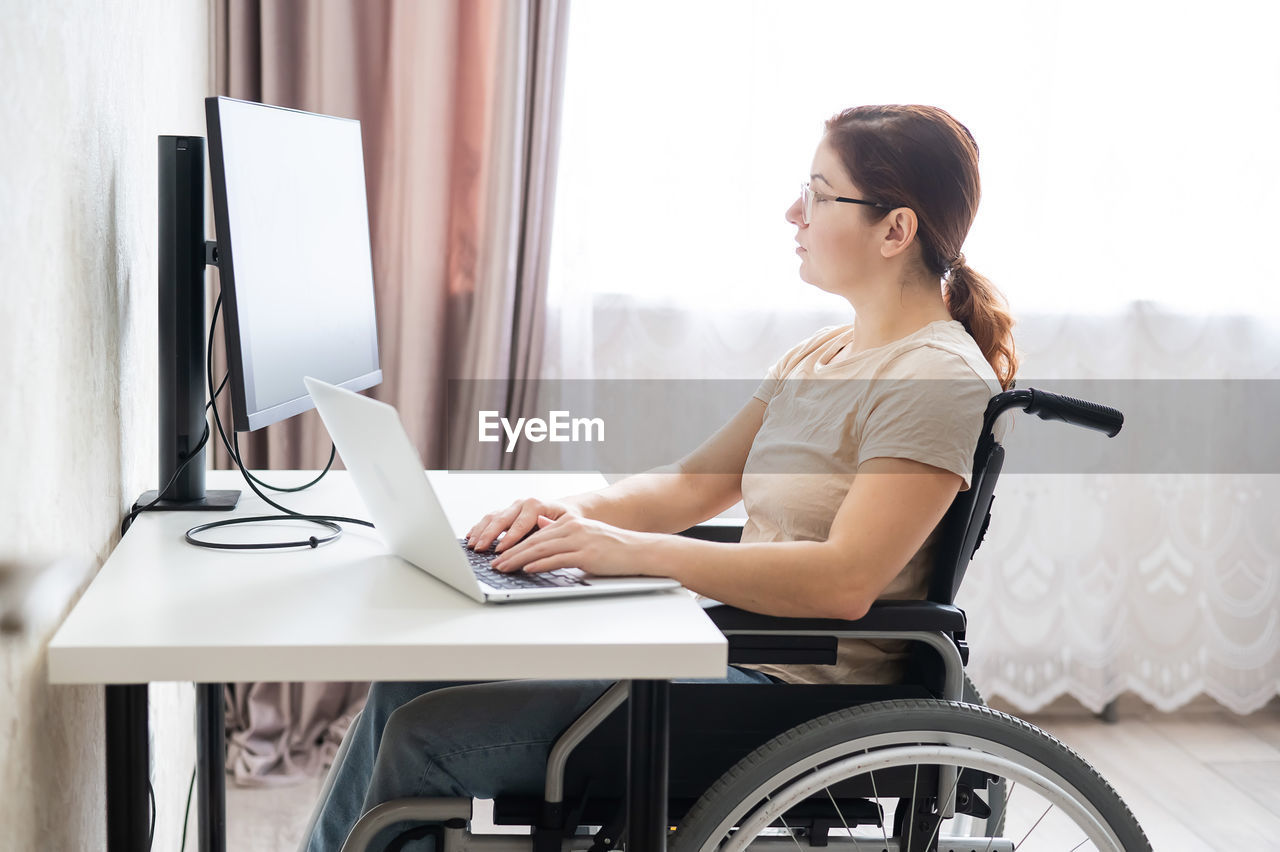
(1053,406)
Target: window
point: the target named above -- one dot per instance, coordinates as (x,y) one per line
(1127,150)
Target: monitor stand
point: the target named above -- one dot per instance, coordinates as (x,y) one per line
(183,255)
(214,500)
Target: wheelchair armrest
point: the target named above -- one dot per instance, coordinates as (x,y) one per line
(718,529)
(755,638)
(883,616)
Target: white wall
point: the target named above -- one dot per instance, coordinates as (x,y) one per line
(87,87)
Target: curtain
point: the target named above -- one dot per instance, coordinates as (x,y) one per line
(458,103)
(394,67)
(500,249)
(1165,585)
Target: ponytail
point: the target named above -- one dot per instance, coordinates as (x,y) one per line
(980,307)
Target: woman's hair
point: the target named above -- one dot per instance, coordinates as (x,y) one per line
(920,157)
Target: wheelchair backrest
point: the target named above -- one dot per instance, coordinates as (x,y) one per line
(965,524)
(966,521)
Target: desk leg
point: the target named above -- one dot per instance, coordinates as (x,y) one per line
(128,768)
(648,717)
(211,758)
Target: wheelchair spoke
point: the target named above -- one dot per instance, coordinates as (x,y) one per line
(839,812)
(911,823)
(899,751)
(787,828)
(1033,826)
(875,792)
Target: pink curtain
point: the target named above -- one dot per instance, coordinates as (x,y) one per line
(393,66)
(279,733)
(459,108)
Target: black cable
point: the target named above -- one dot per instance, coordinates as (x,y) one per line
(235,453)
(138,510)
(233,450)
(333,452)
(326,521)
(186,814)
(310,541)
(204,439)
(232,447)
(151,832)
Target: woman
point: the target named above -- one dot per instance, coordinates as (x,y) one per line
(869,464)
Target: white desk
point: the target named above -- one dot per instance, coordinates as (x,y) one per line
(162,610)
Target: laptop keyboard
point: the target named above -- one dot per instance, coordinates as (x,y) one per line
(479,562)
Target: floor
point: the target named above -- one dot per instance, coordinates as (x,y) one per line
(1200,779)
(1195,780)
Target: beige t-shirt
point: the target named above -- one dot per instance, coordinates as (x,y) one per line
(921,397)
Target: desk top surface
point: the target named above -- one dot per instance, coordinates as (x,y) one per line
(161,609)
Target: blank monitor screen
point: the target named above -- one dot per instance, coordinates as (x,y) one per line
(293,254)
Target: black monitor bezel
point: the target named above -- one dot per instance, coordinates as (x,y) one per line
(244,420)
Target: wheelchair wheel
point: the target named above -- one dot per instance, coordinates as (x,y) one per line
(878,765)
(968,825)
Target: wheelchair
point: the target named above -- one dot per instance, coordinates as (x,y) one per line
(918,766)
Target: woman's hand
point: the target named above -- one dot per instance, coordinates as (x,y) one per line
(516,521)
(571,541)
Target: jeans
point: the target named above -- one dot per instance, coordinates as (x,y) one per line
(472,740)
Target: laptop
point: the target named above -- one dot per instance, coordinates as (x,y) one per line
(389,476)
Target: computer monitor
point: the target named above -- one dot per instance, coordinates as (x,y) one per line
(294,259)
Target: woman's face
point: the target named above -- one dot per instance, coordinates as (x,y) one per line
(837,248)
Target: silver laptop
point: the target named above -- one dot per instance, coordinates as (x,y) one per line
(389,475)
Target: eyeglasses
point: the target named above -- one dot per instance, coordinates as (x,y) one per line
(808,195)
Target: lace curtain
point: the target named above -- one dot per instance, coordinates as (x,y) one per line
(1165,585)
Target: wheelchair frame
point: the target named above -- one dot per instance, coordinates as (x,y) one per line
(935,624)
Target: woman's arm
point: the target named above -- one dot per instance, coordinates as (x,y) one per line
(677,496)
(664,500)
(888,513)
